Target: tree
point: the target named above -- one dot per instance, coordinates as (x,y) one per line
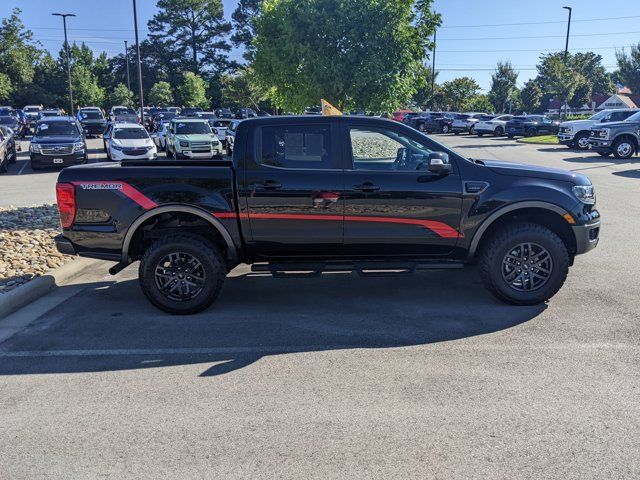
(530,96)
(86,91)
(242,20)
(18,54)
(629,68)
(193,91)
(422,82)
(121,95)
(161,94)
(479,103)
(556,77)
(195,29)
(597,80)
(6,88)
(241,89)
(353,53)
(458,92)
(503,82)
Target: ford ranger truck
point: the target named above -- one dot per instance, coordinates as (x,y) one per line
(313,194)
(620,138)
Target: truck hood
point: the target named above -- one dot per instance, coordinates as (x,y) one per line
(578,123)
(612,125)
(133,143)
(196,137)
(524,170)
(56,139)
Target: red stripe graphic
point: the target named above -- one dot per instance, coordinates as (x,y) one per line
(126,189)
(442,229)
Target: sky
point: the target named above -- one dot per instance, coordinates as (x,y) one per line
(474,35)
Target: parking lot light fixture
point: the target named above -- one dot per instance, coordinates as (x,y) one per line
(66,49)
(566,45)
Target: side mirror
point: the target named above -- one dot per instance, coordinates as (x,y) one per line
(438,162)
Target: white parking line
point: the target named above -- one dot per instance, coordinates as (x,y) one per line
(23,167)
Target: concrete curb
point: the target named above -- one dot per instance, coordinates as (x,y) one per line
(40,286)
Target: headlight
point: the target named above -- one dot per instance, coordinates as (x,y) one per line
(35,148)
(116,147)
(215,143)
(585,193)
(606,132)
(568,129)
(78,146)
(184,144)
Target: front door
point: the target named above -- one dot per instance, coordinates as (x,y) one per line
(292,190)
(394,207)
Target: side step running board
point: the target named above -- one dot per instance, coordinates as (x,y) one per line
(364,268)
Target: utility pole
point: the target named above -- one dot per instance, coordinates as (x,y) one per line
(135,25)
(66,49)
(566,51)
(126,56)
(433,70)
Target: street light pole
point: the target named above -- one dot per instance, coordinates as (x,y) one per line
(566,51)
(135,25)
(566,45)
(126,56)
(66,49)
(433,70)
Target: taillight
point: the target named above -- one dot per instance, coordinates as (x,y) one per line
(66,196)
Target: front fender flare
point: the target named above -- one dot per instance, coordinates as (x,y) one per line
(477,236)
(232,250)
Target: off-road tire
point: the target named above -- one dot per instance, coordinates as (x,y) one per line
(203,251)
(502,242)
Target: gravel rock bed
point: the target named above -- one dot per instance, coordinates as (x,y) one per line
(26,243)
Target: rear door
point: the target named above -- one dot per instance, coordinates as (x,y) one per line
(393,205)
(292,189)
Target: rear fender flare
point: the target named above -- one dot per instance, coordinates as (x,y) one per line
(484,226)
(232,251)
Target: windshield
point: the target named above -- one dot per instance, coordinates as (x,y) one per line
(187,128)
(130,133)
(32,109)
(221,124)
(124,111)
(56,128)
(599,115)
(50,113)
(91,115)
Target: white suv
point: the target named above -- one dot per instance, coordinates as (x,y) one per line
(129,141)
(493,125)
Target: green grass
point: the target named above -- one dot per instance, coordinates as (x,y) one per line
(546,139)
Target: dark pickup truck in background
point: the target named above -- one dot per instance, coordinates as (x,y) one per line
(312,194)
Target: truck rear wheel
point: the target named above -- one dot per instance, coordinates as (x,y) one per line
(182,274)
(524,264)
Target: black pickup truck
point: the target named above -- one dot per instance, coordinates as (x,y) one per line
(312,194)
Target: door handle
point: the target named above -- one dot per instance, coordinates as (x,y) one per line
(268,185)
(366,187)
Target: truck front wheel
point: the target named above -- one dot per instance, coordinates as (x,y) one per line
(524,264)
(182,274)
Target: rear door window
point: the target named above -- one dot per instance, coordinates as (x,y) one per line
(296,147)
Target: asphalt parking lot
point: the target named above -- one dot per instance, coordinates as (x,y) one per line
(340,376)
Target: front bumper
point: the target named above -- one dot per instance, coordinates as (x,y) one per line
(214,152)
(600,144)
(587,236)
(40,160)
(118,155)
(93,129)
(565,139)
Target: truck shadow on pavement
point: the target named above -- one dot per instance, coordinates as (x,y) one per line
(113,327)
